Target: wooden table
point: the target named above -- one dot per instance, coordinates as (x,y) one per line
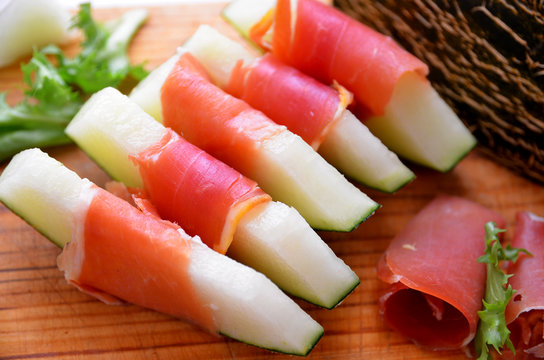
(41,316)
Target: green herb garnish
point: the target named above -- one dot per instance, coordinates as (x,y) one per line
(57,91)
(492,330)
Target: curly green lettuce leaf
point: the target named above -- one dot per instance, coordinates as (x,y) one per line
(103,59)
(492,329)
(56,91)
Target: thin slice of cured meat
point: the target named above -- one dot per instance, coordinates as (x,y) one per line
(304,105)
(330,46)
(195,190)
(437,284)
(525,312)
(218,123)
(119,252)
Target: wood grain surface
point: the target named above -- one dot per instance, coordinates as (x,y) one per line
(42,317)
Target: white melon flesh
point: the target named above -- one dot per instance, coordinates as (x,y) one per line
(289,170)
(248,307)
(109,127)
(217,53)
(275,240)
(245,304)
(243,14)
(94,130)
(360,155)
(45,193)
(147,94)
(419,126)
(28,24)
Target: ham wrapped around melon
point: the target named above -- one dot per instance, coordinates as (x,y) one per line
(314,111)
(525,312)
(308,108)
(117,253)
(206,197)
(282,163)
(389,84)
(437,283)
(219,197)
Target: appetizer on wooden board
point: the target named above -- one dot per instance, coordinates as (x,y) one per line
(228,211)
(114,252)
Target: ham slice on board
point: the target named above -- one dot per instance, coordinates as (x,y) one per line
(437,284)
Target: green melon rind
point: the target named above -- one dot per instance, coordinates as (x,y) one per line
(312,343)
(44,233)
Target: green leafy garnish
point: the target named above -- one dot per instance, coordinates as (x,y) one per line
(492,330)
(57,91)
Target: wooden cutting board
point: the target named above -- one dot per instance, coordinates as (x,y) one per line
(41,316)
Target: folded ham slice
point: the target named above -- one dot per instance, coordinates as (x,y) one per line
(437,284)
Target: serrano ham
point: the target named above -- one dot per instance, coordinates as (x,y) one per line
(437,284)
(329,45)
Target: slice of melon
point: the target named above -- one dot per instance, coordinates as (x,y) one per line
(276,240)
(273,239)
(348,145)
(244,304)
(147,93)
(243,15)
(421,127)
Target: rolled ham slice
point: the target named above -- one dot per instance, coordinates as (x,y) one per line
(525,312)
(437,284)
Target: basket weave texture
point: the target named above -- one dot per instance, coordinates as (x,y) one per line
(486,60)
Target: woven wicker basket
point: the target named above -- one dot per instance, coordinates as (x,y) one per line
(486,60)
